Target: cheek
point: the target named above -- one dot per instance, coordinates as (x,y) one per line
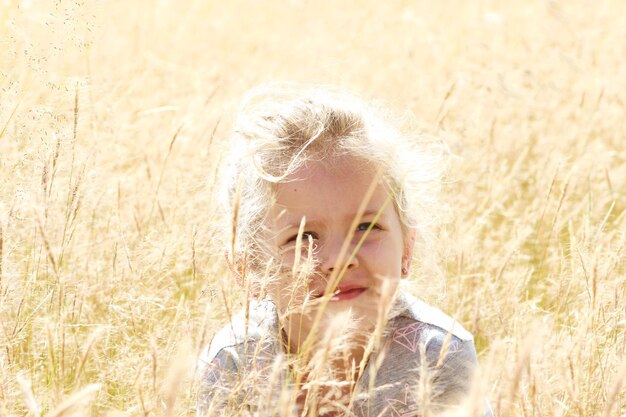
(297,272)
(289,291)
(382,257)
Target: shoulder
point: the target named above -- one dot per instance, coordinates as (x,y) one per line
(411,308)
(415,326)
(418,333)
(246,342)
(260,322)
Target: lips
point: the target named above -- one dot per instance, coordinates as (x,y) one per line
(349,294)
(346,292)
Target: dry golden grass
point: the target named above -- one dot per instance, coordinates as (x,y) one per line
(112,120)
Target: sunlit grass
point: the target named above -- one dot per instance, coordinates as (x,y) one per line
(113,118)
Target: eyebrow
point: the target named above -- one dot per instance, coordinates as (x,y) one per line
(296,225)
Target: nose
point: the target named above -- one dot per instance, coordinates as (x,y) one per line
(331,259)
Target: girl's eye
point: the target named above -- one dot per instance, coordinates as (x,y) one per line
(305,237)
(366,225)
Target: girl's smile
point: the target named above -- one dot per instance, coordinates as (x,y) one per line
(346,293)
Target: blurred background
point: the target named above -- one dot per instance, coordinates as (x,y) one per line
(113,119)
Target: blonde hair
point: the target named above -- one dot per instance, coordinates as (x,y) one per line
(278,129)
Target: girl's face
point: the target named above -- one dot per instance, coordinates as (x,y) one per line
(328,198)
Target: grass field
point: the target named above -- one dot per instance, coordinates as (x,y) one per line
(113,118)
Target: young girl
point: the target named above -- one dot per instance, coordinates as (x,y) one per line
(330,207)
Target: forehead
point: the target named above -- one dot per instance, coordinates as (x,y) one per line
(326,191)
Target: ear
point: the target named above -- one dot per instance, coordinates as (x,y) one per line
(407,252)
(238,270)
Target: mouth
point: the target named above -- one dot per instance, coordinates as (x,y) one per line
(346,292)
